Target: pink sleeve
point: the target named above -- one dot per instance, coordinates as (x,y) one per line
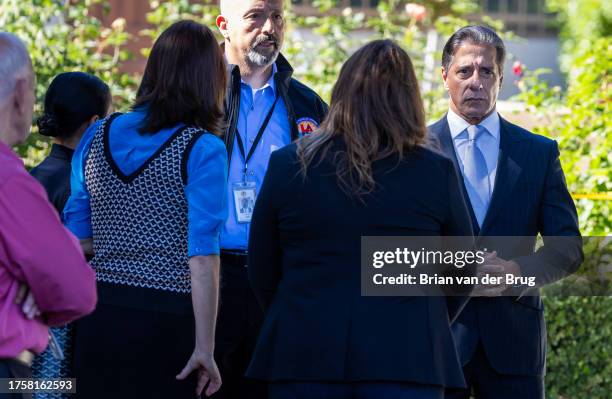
(43,254)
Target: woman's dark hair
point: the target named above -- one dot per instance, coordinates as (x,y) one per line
(184,80)
(72,99)
(376,109)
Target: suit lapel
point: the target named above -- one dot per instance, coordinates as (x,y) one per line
(508,172)
(445,142)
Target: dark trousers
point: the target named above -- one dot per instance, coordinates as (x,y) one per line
(365,390)
(14,369)
(238,324)
(134,349)
(486,383)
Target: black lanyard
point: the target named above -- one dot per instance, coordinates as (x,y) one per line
(257,138)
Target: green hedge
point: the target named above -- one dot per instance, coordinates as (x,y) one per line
(579,364)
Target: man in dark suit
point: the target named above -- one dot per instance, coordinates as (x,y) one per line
(516,188)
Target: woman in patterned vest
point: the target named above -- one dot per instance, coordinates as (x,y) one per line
(148,200)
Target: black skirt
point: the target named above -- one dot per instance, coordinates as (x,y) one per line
(134,344)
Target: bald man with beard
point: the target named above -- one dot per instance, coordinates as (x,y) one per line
(266,109)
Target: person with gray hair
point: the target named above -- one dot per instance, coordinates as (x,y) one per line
(514,186)
(44,278)
(17,84)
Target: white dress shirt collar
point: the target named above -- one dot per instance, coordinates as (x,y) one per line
(457,124)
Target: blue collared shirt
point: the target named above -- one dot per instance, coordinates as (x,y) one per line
(206,179)
(488,143)
(254,106)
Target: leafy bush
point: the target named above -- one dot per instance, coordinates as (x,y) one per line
(582,123)
(580,328)
(581,22)
(418,28)
(579,347)
(63,36)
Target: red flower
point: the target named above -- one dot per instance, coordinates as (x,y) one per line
(517,68)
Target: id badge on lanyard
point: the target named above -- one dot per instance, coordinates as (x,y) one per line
(245,193)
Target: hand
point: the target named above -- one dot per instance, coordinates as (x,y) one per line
(497,268)
(25,298)
(207,371)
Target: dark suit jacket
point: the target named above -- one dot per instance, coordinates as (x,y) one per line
(54,174)
(530,197)
(304,267)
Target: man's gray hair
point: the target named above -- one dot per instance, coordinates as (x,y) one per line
(478,35)
(14,61)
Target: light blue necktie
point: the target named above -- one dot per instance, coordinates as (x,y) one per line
(476,174)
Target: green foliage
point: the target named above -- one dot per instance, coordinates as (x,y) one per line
(165,13)
(579,347)
(582,123)
(537,93)
(586,134)
(318,63)
(579,328)
(62,36)
(594,278)
(581,22)
(340,33)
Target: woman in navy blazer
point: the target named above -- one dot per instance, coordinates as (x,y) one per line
(366,172)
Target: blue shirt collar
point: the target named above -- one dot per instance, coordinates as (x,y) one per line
(269,84)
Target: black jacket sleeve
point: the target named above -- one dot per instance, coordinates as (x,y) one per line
(265,255)
(562,252)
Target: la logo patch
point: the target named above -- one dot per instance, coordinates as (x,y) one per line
(306,126)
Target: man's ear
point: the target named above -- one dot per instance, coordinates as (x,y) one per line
(20,95)
(501,80)
(93,119)
(221,23)
(444,76)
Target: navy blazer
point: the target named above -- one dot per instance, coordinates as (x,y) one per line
(530,197)
(54,174)
(304,267)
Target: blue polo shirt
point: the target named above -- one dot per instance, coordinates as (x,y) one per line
(254,106)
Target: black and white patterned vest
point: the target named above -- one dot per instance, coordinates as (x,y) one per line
(139,221)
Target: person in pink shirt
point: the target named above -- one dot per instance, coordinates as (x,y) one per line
(39,259)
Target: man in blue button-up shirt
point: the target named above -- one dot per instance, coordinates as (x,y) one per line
(255,103)
(265,110)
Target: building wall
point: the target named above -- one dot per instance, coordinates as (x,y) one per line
(536,44)
(134,12)
(535,53)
